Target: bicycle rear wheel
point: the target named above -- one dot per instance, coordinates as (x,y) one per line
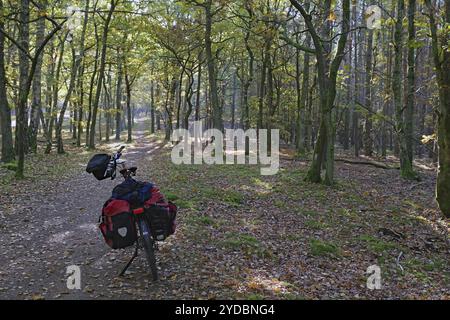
(149,248)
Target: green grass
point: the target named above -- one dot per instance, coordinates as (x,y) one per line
(228,196)
(377,245)
(201,220)
(324,248)
(244,242)
(433,265)
(12,166)
(316,225)
(307,213)
(171,196)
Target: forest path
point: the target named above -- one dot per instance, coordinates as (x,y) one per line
(49,232)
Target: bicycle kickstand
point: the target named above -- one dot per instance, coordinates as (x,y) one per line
(135,254)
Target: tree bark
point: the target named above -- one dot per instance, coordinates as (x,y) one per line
(406,169)
(37,86)
(55,91)
(410,98)
(152,107)
(5,113)
(62,112)
(129,116)
(214,96)
(119,95)
(441,58)
(368,140)
(101,72)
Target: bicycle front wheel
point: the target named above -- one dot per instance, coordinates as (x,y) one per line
(149,248)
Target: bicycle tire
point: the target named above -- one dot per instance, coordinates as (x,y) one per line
(149,249)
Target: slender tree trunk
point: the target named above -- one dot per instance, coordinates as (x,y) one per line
(55,92)
(410,98)
(214,97)
(249,78)
(299,137)
(129,116)
(21,117)
(189,93)
(233,101)
(60,122)
(107,105)
(305,97)
(119,96)
(368,141)
(152,108)
(101,73)
(5,113)
(406,169)
(262,85)
(179,96)
(91,86)
(36,86)
(199,86)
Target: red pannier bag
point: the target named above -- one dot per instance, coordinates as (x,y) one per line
(161,215)
(117,224)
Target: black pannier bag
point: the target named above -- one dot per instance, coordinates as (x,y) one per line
(98,166)
(160,221)
(117,224)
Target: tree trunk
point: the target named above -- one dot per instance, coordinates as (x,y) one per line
(129,116)
(249,78)
(101,73)
(305,97)
(21,117)
(36,86)
(189,93)
(214,96)
(91,86)
(327,78)
(368,142)
(119,97)
(55,92)
(60,122)
(410,98)
(406,169)
(152,107)
(199,86)
(441,58)
(5,113)
(233,101)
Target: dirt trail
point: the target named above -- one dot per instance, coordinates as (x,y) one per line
(58,229)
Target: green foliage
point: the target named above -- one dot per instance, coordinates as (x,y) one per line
(10,166)
(316,225)
(377,245)
(324,248)
(244,242)
(201,220)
